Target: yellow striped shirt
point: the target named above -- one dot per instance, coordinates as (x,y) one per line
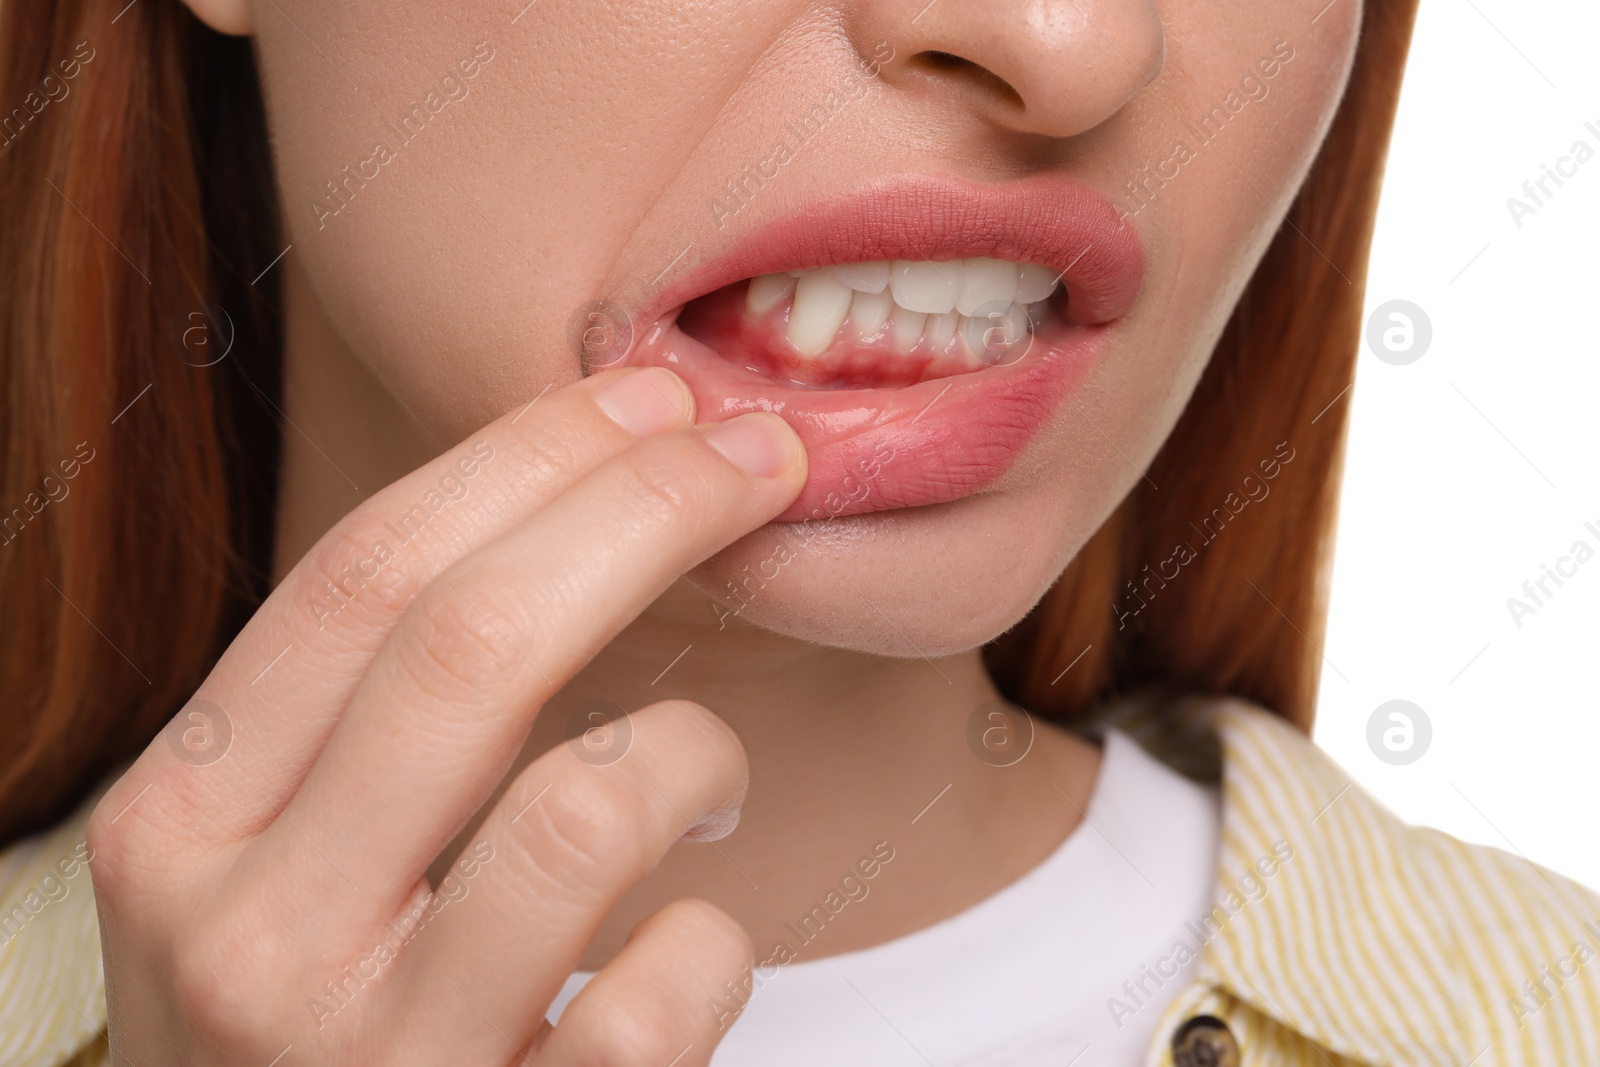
(1341,936)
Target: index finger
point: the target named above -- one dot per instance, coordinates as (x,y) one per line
(450,700)
(276,694)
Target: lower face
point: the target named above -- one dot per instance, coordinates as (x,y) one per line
(982,309)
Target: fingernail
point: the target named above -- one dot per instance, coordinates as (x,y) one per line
(646,402)
(715,825)
(760,444)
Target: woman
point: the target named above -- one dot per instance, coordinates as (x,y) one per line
(591,490)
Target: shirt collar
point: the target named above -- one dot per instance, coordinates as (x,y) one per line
(1327,918)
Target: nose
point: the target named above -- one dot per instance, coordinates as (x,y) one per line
(1049,67)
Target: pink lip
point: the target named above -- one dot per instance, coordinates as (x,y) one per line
(875,449)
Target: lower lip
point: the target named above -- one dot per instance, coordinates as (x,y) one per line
(888,448)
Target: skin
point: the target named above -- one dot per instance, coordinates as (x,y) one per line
(426,720)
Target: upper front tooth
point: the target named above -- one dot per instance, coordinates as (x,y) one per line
(986,281)
(864,277)
(821,303)
(767,291)
(926,287)
(1034,283)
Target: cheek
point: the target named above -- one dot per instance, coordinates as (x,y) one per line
(585,162)
(1216,168)
(403,269)
(451,260)
(1212,173)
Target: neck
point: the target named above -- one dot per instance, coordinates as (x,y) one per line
(852,756)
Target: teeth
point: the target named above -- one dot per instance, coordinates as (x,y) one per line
(907,327)
(942,329)
(1034,283)
(821,303)
(864,277)
(986,281)
(869,311)
(992,339)
(767,292)
(991,304)
(926,287)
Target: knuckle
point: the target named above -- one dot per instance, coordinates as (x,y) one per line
(348,570)
(110,845)
(548,453)
(149,837)
(709,932)
(453,646)
(666,492)
(713,732)
(634,1028)
(131,841)
(221,985)
(587,834)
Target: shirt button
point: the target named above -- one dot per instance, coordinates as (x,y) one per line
(1205,1041)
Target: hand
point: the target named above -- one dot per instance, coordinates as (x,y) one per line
(275,898)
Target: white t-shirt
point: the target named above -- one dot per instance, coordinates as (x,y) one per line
(1070,964)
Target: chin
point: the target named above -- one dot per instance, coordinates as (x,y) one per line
(916,582)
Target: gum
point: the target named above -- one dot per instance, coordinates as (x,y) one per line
(721,321)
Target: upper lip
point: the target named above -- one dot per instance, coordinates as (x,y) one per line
(1053,221)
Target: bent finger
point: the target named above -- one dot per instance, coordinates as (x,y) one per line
(444,710)
(559,849)
(668,997)
(275,695)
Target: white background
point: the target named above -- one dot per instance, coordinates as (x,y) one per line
(1475,465)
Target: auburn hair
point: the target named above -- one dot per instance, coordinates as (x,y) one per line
(140,337)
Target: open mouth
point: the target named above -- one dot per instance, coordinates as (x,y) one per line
(916,335)
(881,323)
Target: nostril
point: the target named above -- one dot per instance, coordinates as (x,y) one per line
(943,61)
(945,65)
